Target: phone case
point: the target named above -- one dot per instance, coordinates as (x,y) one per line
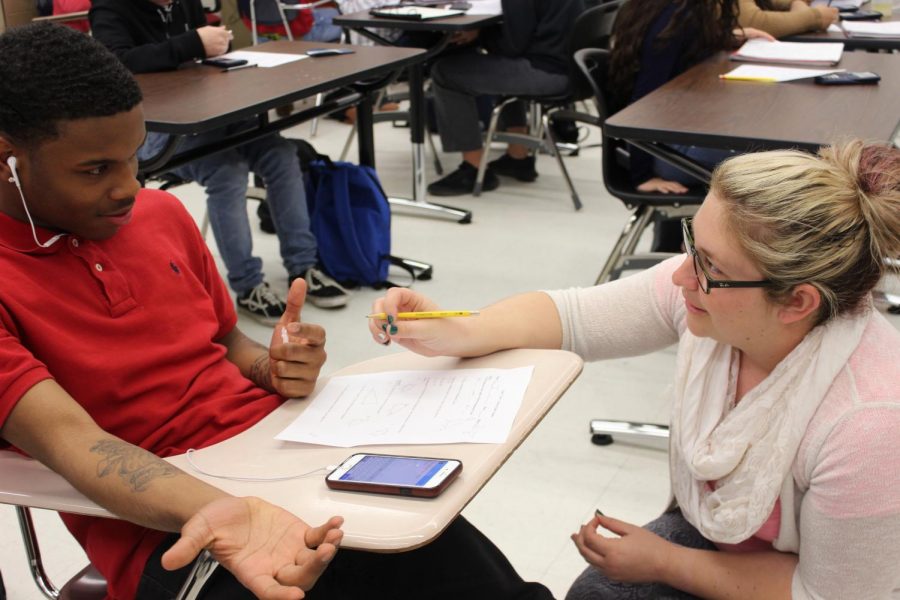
(862,15)
(394,490)
(847,78)
(225,62)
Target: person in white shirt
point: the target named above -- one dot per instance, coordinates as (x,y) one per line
(785,426)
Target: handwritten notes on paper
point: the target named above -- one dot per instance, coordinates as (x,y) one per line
(413,407)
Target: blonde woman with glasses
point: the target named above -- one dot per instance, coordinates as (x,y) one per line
(785,426)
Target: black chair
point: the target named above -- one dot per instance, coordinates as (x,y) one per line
(592,29)
(644,207)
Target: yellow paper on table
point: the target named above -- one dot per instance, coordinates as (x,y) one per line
(773,74)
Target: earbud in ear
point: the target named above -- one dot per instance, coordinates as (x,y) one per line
(11,161)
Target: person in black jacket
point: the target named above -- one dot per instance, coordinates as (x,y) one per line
(526,55)
(161,35)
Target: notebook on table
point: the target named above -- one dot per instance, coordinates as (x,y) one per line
(885,29)
(757,50)
(415,13)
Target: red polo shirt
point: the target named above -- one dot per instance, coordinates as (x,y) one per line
(128,326)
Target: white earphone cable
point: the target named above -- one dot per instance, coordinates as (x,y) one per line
(194,466)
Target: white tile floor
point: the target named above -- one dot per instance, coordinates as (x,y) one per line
(523,237)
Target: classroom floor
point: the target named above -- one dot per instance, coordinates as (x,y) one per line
(523,237)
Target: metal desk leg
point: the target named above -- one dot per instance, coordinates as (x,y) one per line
(418,205)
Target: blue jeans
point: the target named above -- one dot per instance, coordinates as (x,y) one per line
(225,177)
(323,30)
(708,157)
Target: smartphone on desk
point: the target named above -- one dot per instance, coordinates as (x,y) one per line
(861,15)
(398,475)
(848,78)
(328,51)
(224,63)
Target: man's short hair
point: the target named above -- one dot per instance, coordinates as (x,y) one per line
(50,74)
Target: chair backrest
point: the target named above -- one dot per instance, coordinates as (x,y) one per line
(594,66)
(592,29)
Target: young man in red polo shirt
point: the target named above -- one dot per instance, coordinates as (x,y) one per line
(119,345)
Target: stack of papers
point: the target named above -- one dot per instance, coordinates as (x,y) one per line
(415,13)
(758,50)
(773,74)
(264,59)
(863,29)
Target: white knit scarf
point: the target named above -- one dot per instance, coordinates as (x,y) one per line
(747,450)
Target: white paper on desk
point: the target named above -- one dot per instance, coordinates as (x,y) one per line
(883,29)
(265,59)
(413,407)
(839,3)
(485,7)
(774,74)
(759,50)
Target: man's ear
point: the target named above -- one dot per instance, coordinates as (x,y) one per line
(804,300)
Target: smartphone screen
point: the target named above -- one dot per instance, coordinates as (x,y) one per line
(405,475)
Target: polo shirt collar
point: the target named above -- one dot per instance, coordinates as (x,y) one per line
(16,236)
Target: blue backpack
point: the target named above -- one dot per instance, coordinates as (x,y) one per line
(351,219)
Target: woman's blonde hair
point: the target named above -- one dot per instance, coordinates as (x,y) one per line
(829,220)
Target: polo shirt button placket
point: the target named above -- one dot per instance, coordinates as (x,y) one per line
(75,242)
(99,267)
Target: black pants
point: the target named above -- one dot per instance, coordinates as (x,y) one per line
(460,564)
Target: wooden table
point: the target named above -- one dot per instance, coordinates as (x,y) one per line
(196,98)
(364,23)
(372,522)
(698,108)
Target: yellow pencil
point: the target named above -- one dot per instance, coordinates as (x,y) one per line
(430,314)
(747,78)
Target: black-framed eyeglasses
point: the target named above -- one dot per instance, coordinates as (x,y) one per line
(706,281)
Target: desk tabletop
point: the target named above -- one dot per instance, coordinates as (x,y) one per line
(198,98)
(699,108)
(371,522)
(363,19)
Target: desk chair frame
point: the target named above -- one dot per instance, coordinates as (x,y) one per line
(593,28)
(88,584)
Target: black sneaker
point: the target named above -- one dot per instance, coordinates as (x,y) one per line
(462,181)
(517,168)
(266,223)
(322,290)
(262,304)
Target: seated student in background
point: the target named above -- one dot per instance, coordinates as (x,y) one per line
(786,408)
(160,35)
(654,41)
(119,345)
(785,17)
(526,54)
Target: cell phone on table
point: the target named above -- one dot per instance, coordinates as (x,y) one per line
(224,63)
(848,78)
(398,475)
(861,15)
(328,51)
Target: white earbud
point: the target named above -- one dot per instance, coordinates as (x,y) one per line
(11,161)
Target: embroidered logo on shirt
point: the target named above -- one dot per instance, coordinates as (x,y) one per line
(174,267)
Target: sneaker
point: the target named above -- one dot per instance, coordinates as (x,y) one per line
(262,304)
(266,223)
(462,181)
(517,168)
(322,290)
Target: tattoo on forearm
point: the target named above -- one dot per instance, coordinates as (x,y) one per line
(260,373)
(135,466)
